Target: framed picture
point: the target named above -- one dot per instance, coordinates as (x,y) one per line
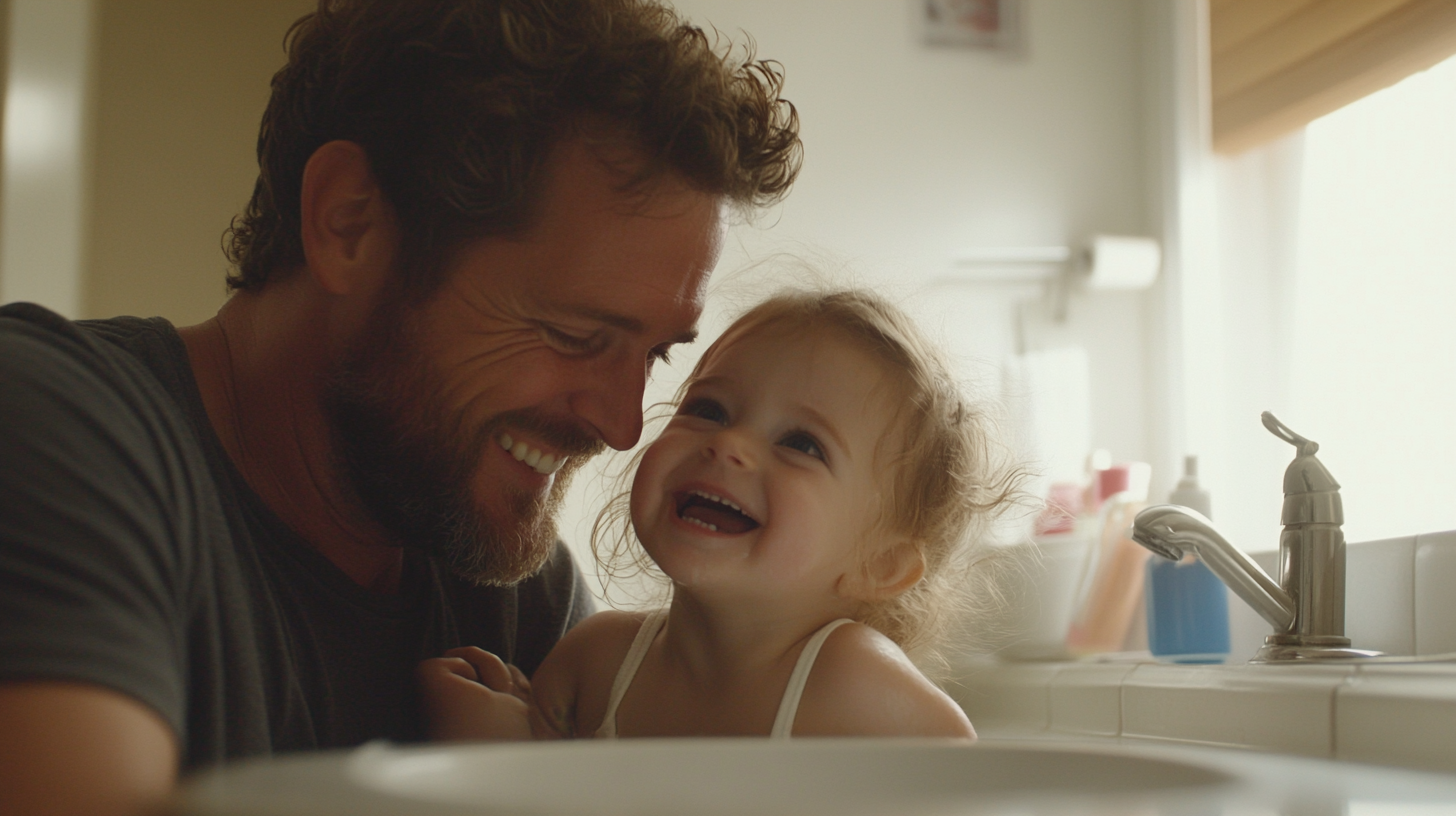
(991,24)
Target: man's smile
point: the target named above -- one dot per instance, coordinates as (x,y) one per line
(543,463)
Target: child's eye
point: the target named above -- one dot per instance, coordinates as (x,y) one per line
(704,408)
(805,444)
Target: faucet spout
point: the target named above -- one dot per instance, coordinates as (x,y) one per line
(1171,531)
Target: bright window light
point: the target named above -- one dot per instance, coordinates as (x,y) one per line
(1374,352)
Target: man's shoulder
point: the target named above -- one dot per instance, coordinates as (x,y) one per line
(125,348)
(80,410)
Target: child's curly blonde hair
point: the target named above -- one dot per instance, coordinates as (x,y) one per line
(945,483)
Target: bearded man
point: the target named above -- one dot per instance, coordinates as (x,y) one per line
(477,225)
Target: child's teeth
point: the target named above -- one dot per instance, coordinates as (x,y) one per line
(719,500)
(712,527)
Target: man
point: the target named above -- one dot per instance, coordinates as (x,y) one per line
(477,225)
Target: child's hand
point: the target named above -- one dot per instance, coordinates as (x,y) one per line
(470,694)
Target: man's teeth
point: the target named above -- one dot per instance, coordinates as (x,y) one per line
(543,463)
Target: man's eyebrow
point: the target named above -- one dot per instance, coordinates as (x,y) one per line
(625,323)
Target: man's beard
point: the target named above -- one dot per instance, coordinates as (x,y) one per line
(411,461)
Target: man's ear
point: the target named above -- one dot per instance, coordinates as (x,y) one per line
(889,572)
(349,232)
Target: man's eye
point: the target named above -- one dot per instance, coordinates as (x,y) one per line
(704,408)
(805,444)
(570,343)
(661,353)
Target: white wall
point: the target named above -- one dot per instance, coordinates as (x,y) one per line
(916,153)
(43,227)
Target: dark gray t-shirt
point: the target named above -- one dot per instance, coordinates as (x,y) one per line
(134,556)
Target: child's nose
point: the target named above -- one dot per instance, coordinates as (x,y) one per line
(730,446)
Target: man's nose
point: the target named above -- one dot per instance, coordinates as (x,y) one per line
(612,403)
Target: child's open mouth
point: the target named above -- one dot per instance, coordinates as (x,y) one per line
(713,513)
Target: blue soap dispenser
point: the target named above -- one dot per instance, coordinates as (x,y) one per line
(1187,604)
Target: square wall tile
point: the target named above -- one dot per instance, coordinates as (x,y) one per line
(1380,595)
(1086,698)
(1435,593)
(1287,709)
(1398,715)
(1010,697)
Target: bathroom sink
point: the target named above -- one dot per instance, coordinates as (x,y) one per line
(717,777)
(704,777)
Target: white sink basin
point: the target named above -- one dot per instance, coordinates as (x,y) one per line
(749,777)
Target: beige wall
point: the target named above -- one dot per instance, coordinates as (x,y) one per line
(180,86)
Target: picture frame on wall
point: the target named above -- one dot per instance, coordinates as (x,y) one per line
(983,24)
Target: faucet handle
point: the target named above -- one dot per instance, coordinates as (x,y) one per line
(1279,429)
(1311,494)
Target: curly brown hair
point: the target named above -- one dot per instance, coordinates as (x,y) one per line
(457,103)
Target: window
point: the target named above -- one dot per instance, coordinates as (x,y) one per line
(1372,354)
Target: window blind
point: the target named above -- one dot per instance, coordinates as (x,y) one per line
(1280,64)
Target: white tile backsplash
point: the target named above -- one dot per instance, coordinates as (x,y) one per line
(1380,597)
(1398,715)
(1401,714)
(1005,694)
(1284,708)
(1088,701)
(1435,593)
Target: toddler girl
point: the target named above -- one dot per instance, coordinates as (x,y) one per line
(813,502)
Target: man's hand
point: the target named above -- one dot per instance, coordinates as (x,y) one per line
(470,694)
(73,748)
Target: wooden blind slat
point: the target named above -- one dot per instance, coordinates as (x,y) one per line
(1293,39)
(1235,21)
(1279,93)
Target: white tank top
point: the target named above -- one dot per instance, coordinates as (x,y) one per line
(788,706)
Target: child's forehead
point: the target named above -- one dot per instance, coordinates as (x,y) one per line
(823,358)
(812,340)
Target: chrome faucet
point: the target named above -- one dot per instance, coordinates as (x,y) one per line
(1307,606)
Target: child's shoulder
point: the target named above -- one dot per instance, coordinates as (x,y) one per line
(863,684)
(605,635)
(572,686)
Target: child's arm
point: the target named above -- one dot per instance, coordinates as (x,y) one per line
(863,685)
(571,687)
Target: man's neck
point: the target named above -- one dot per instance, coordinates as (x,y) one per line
(261,364)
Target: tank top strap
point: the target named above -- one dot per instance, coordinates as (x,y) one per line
(783,725)
(628,670)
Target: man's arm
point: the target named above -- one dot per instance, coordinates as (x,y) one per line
(95,514)
(74,748)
